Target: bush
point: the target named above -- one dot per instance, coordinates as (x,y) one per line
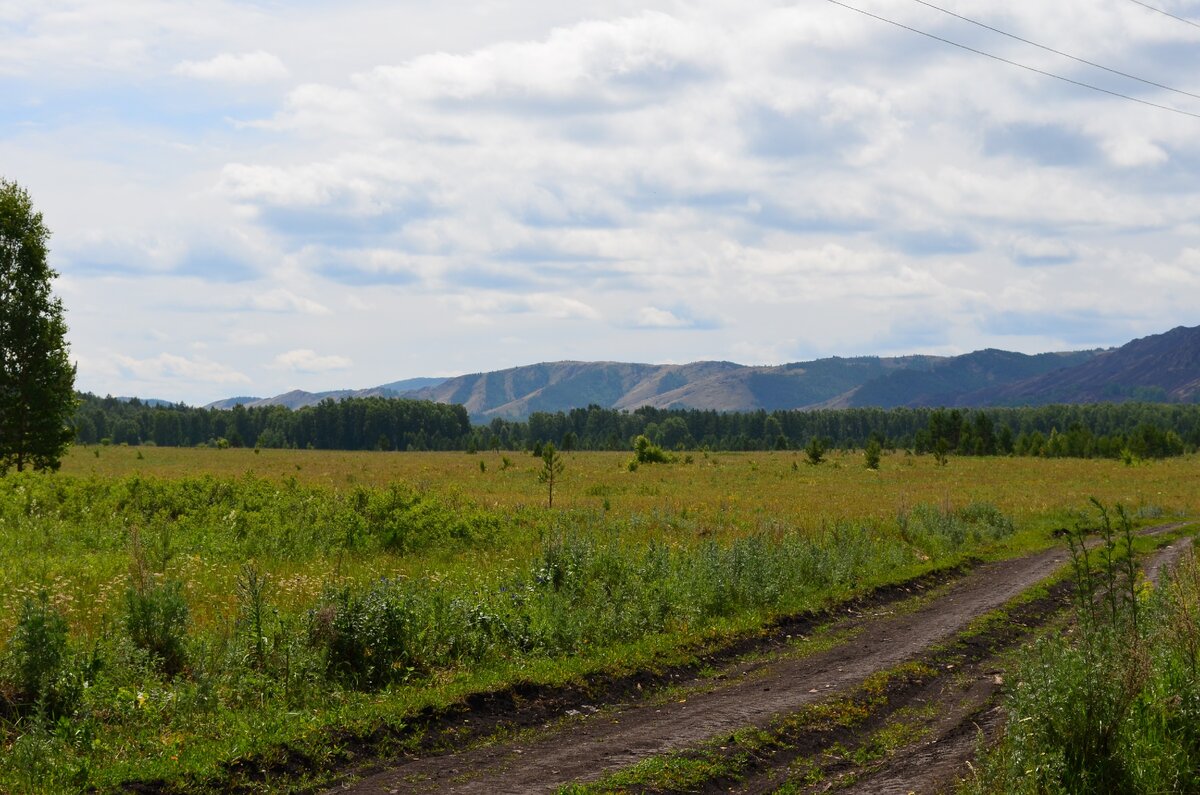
(871,455)
(647,452)
(45,676)
(39,646)
(814,453)
(941,531)
(369,639)
(1113,706)
(156,618)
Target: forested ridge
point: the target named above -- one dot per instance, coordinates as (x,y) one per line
(1144,430)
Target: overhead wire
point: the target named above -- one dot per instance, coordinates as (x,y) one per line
(1184,20)
(1017,64)
(1015,37)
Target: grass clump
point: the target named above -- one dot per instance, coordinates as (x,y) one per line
(939,531)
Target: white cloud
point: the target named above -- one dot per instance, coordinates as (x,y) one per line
(1134,151)
(1037,250)
(476,308)
(303,360)
(560,307)
(251,67)
(573,59)
(167,367)
(653,317)
(283,300)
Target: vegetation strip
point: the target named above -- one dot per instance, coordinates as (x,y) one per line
(1127,431)
(205,633)
(274,691)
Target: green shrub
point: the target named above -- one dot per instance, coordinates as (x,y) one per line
(369,639)
(46,677)
(39,646)
(647,452)
(814,452)
(156,619)
(942,531)
(871,455)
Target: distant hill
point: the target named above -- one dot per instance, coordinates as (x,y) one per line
(146,401)
(723,386)
(1163,367)
(298,398)
(411,384)
(229,403)
(945,381)
(558,386)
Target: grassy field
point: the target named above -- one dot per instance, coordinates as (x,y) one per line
(200,606)
(721,488)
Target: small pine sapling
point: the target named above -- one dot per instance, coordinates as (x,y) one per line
(551,471)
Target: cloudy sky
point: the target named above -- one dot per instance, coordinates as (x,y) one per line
(250,197)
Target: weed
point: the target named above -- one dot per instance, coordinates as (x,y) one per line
(252,587)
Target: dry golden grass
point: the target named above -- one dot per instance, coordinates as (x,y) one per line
(722,489)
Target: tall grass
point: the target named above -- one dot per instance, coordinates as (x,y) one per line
(1113,705)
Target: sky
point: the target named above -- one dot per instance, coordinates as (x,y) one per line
(252,197)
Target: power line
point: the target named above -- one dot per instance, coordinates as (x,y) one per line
(1057,52)
(1184,20)
(1018,65)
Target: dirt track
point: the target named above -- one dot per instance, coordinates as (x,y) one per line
(616,738)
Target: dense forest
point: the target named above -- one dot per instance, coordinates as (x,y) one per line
(1112,430)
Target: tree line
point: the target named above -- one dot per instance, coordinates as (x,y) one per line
(1107,430)
(373,423)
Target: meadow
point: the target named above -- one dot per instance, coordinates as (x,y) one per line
(739,486)
(168,614)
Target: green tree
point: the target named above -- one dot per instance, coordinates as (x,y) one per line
(940,450)
(552,468)
(37,380)
(673,434)
(773,436)
(871,454)
(815,451)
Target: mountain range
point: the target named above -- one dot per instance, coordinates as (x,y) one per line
(1162,367)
